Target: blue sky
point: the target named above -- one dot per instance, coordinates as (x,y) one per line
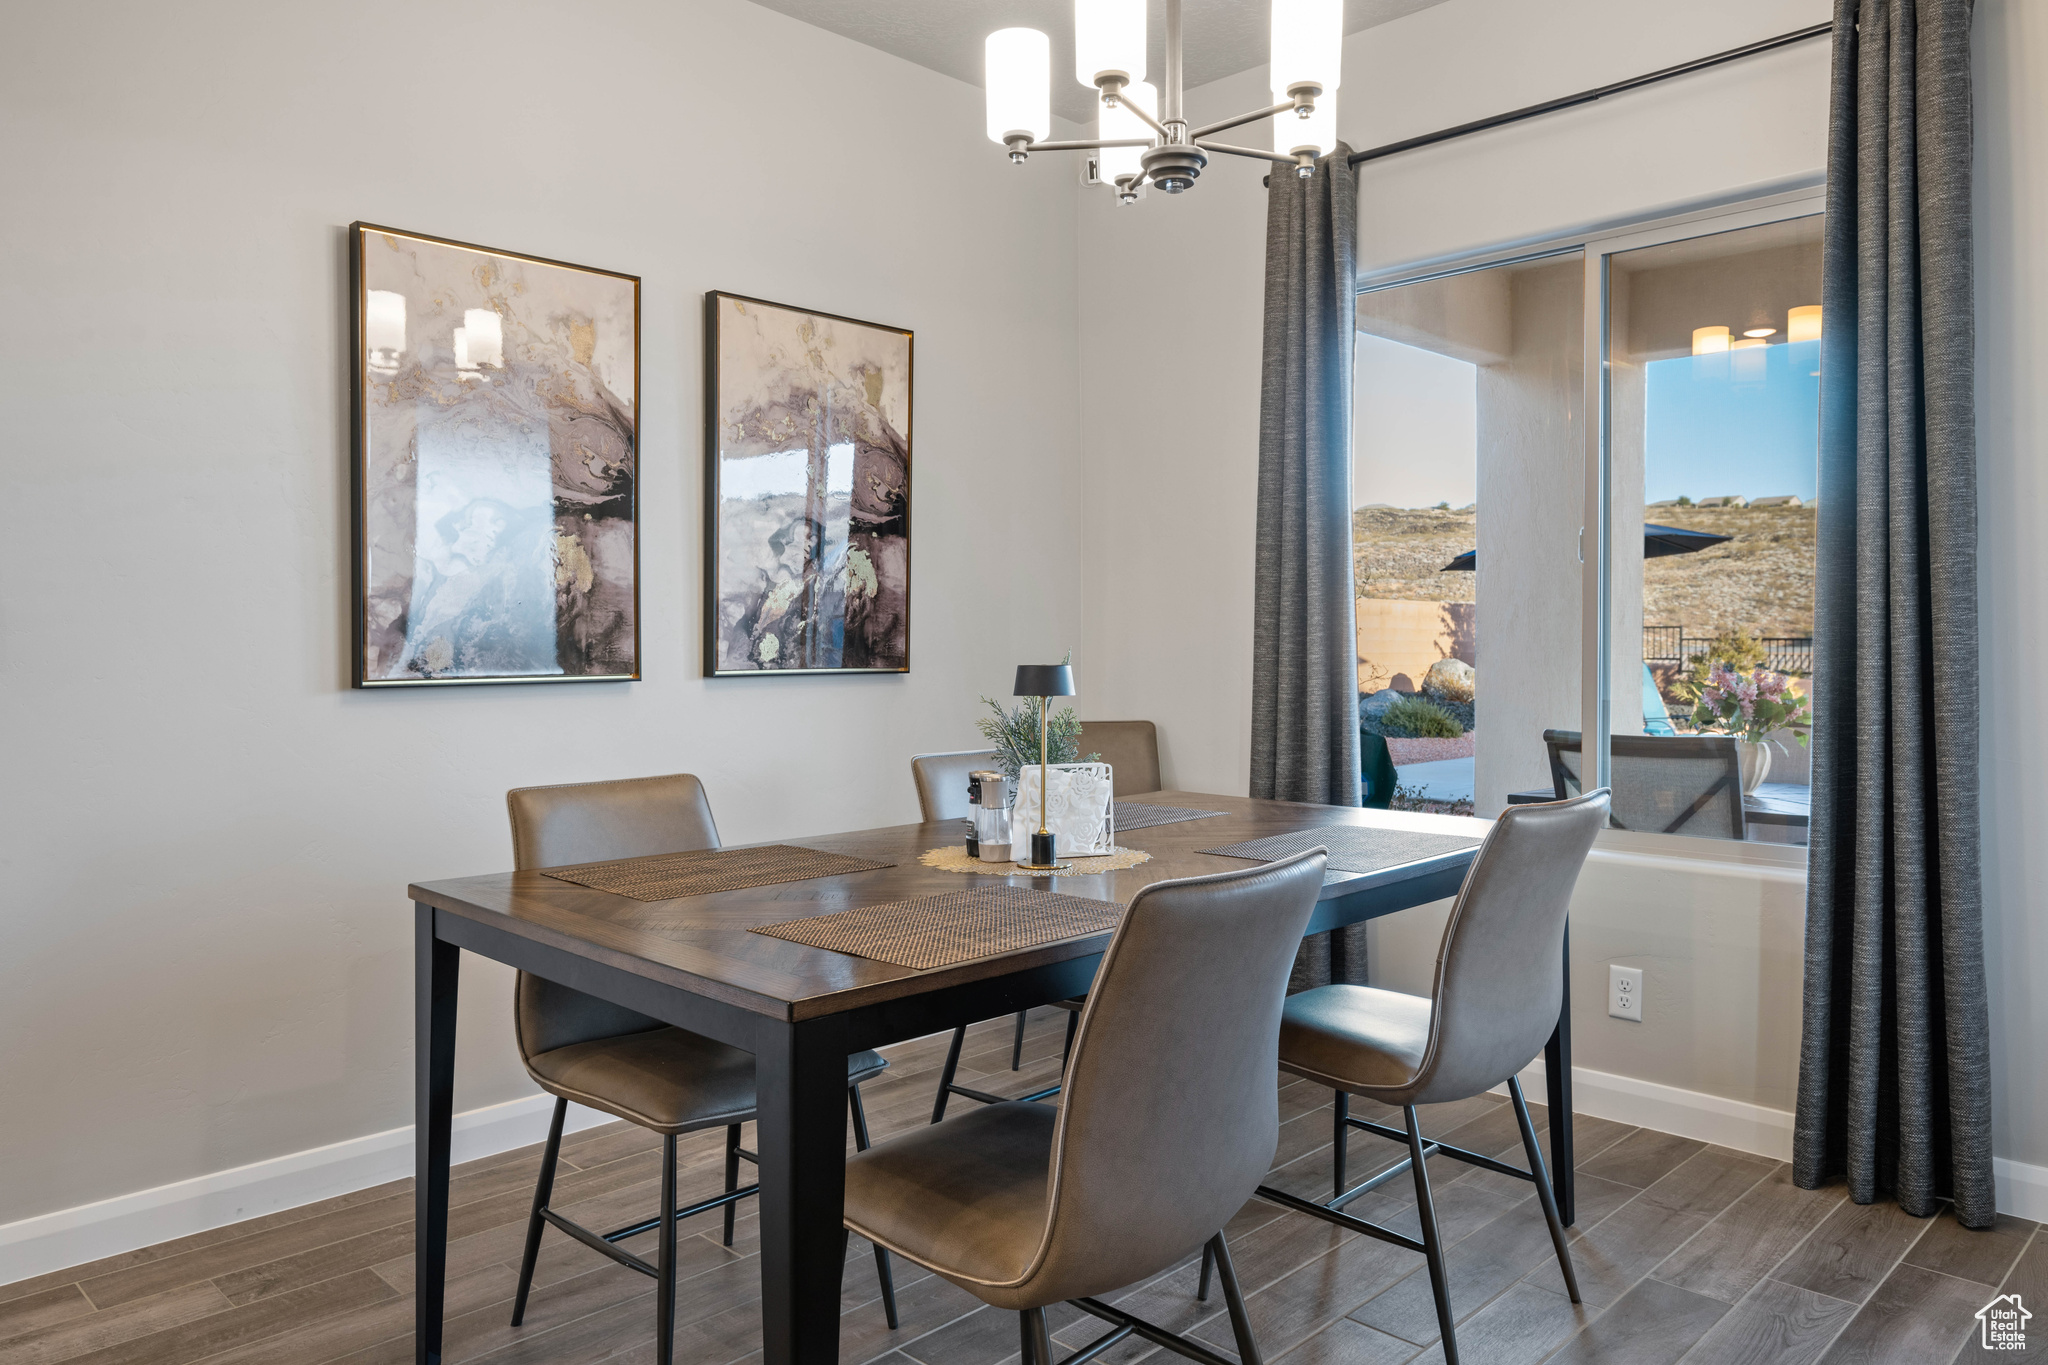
(1722,424)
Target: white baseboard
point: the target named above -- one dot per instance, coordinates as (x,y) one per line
(2022,1189)
(1753,1128)
(68,1237)
(1686,1113)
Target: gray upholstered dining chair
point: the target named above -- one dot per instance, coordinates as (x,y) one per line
(1025,1206)
(942,781)
(1130,748)
(627,1064)
(942,795)
(1497,995)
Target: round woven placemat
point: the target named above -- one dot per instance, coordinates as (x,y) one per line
(953,858)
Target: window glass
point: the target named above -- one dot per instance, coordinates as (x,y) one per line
(1468,489)
(1713,350)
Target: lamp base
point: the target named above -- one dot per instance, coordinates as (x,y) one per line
(1045,854)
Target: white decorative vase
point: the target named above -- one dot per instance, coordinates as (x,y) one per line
(1079,812)
(1756,764)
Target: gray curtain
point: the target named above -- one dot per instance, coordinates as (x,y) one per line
(1304,636)
(1894,1071)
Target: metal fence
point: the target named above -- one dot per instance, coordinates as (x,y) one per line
(1671,645)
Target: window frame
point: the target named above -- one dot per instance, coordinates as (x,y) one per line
(1596,538)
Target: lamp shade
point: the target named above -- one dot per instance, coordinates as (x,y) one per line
(1045,680)
(1709,340)
(1019,77)
(1803,324)
(1315,134)
(1109,36)
(1308,44)
(1122,123)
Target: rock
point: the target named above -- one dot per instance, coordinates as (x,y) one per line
(1377,704)
(1450,680)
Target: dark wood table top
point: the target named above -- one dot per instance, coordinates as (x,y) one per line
(701,944)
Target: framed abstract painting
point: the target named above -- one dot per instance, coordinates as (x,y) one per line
(807,491)
(497,425)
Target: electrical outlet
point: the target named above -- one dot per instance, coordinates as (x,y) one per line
(1625,992)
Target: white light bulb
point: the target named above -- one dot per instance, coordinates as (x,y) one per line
(1109,35)
(1019,78)
(1122,123)
(1315,134)
(1308,45)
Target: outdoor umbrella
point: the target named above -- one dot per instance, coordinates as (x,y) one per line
(1658,541)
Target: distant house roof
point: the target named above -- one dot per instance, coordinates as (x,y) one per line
(1781,500)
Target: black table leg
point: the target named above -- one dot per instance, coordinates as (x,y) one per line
(1557,1086)
(433,1044)
(800,1078)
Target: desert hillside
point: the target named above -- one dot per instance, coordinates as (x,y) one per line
(1761,581)
(1396,553)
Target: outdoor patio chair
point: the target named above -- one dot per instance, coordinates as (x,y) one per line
(1662,784)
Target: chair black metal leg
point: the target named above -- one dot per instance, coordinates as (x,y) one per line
(1233,1299)
(860,1118)
(1341,1142)
(1208,1265)
(1017,1044)
(1543,1193)
(1073,1027)
(882,1269)
(1432,1240)
(732,1176)
(1033,1338)
(543,1189)
(665,1260)
(946,1074)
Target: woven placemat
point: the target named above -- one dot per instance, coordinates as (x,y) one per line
(958,926)
(953,858)
(669,875)
(1138,815)
(1352,849)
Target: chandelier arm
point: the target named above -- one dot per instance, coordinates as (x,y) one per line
(1242,119)
(1086,146)
(1133,106)
(1283,158)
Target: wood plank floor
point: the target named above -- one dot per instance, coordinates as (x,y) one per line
(1685,1252)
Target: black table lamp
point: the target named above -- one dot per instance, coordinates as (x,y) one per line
(1043,681)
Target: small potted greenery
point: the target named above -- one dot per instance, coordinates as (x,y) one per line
(1752,706)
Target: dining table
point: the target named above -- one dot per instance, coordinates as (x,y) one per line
(694,963)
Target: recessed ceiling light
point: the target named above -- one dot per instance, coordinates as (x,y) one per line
(1761,332)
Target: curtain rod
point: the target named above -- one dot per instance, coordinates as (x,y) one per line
(1588,96)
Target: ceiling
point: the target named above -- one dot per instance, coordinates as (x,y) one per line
(1223,36)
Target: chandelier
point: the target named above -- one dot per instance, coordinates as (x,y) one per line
(1142,133)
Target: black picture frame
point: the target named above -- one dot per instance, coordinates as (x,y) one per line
(361,435)
(714,400)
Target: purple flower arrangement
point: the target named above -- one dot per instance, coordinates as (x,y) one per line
(1750,705)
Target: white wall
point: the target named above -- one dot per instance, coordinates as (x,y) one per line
(2011,55)
(208,837)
